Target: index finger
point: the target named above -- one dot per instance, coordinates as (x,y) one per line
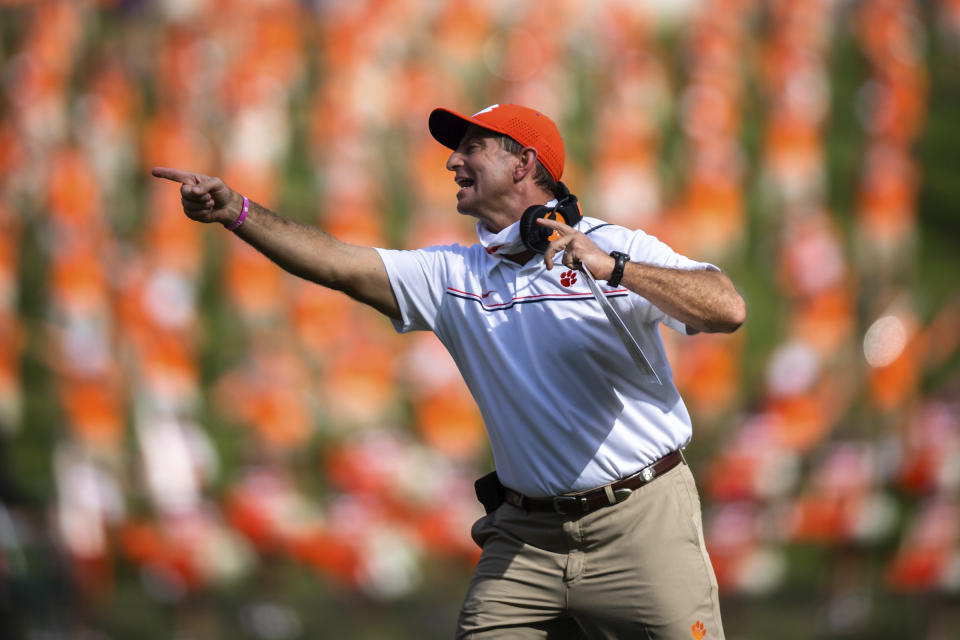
(183,177)
(556,225)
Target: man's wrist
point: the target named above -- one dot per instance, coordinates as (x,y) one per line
(620,261)
(233,210)
(242,217)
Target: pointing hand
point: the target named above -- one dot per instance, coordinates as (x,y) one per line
(204,198)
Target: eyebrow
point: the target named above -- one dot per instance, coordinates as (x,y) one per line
(473,137)
(477,134)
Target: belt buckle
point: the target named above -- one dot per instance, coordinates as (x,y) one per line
(561,500)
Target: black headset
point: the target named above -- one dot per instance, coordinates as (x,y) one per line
(567,210)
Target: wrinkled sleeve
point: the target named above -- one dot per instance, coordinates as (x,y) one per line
(418,280)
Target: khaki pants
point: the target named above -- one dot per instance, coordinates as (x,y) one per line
(638,569)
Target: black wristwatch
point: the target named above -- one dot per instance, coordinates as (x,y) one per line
(617,274)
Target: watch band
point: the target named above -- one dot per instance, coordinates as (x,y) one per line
(617,274)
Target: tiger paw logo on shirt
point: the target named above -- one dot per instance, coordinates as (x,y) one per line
(698,631)
(568,278)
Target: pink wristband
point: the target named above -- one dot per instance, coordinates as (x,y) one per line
(243,215)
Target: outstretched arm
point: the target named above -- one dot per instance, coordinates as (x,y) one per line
(704,300)
(300,249)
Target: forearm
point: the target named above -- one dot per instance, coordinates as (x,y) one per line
(311,253)
(298,248)
(705,300)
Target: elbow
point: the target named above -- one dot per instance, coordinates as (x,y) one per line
(730,309)
(730,318)
(736,314)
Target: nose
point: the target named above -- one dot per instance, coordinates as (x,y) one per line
(454,161)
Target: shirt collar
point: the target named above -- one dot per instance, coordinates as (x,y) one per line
(498,257)
(506,242)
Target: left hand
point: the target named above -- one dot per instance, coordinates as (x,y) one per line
(578,250)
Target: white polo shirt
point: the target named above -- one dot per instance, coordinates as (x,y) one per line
(565,407)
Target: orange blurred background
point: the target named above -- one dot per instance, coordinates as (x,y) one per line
(195,444)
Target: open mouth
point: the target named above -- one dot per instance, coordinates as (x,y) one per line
(464,183)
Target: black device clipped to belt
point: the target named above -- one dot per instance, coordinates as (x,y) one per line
(490,492)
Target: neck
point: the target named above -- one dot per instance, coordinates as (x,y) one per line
(530,196)
(520,258)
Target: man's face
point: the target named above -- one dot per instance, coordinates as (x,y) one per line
(483,170)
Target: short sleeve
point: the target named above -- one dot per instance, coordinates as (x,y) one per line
(418,280)
(648,249)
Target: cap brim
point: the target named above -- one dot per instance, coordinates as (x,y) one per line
(448,127)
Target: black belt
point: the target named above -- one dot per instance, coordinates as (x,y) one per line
(597,498)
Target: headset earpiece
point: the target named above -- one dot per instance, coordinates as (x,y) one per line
(567,211)
(533,235)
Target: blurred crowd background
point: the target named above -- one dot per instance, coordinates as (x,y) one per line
(196,445)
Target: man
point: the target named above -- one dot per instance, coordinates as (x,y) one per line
(597,533)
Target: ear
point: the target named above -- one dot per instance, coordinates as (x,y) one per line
(526,165)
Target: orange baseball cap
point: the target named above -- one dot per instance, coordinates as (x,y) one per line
(527,126)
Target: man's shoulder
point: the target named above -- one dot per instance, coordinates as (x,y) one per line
(453,256)
(601,231)
(453,248)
